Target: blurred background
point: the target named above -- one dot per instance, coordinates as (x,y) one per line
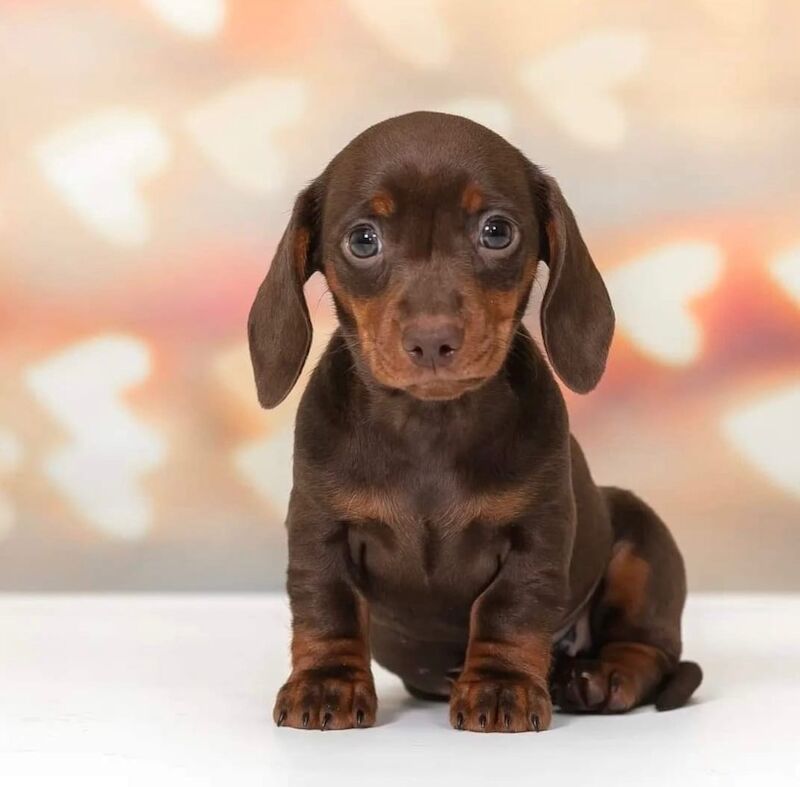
(151,150)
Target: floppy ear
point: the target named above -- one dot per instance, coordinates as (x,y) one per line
(577,317)
(279,328)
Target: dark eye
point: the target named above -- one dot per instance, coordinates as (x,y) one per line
(496,233)
(363,242)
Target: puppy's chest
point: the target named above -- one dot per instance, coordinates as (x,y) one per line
(428,531)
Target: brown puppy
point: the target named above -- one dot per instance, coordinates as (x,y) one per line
(442,518)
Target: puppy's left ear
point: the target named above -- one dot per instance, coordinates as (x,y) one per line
(577,317)
(279,328)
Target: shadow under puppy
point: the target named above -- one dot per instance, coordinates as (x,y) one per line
(442,517)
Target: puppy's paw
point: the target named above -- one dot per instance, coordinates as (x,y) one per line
(499,705)
(594,686)
(314,700)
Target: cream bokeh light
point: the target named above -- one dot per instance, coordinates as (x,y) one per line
(266,465)
(490,112)
(579,84)
(10,457)
(98,165)
(413,30)
(766,433)
(785,269)
(234,130)
(196,18)
(110,449)
(653,296)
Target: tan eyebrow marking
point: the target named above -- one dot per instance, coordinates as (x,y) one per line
(382,204)
(472,198)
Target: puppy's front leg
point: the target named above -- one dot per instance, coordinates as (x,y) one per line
(331,685)
(503,686)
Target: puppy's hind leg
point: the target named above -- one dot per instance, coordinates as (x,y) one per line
(635,622)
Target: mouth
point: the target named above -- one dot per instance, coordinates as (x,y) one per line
(434,384)
(441,390)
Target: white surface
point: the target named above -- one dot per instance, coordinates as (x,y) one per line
(178,690)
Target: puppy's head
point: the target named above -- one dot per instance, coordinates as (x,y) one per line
(429,229)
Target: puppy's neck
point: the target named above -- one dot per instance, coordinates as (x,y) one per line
(435,421)
(474,415)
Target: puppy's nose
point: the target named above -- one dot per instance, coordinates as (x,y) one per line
(433,344)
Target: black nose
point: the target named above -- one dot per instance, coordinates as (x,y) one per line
(433,344)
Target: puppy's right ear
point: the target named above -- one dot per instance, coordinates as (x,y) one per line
(279,328)
(577,316)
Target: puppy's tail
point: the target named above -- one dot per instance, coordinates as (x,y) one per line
(679,686)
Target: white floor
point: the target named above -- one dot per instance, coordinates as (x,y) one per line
(153,690)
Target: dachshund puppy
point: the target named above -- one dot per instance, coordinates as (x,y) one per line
(442,518)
